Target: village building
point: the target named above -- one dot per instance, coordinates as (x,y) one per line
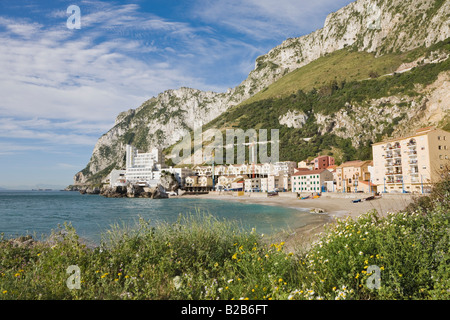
(311,181)
(411,163)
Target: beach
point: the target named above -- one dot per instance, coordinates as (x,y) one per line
(334,206)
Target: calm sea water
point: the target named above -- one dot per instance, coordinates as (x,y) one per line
(38,213)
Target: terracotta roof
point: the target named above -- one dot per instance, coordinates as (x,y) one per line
(419,132)
(355,163)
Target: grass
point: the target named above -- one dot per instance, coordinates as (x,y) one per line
(201,257)
(341,65)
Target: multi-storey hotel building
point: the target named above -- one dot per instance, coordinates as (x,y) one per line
(412,163)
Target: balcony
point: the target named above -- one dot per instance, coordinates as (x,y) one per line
(395,181)
(413,161)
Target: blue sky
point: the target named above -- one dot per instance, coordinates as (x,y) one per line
(62,88)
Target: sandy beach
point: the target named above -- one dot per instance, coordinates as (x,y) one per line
(334,206)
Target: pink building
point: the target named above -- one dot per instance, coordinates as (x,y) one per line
(322,162)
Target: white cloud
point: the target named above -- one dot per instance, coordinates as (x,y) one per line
(266,19)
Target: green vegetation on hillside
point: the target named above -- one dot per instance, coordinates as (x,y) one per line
(200,257)
(344,65)
(327,100)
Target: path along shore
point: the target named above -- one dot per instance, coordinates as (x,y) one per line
(334,205)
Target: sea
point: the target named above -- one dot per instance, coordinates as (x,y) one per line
(37,213)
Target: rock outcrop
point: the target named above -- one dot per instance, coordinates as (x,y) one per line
(383,27)
(133,191)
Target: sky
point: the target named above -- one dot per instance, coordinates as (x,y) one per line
(62,87)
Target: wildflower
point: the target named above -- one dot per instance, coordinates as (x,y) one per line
(177,282)
(357,276)
(234,256)
(5,291)
(230,281)
(17,275)
(127,276)
(119,274)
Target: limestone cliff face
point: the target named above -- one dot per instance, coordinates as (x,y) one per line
(363,123)
(375,26)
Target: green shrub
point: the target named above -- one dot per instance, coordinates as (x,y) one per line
(201,257)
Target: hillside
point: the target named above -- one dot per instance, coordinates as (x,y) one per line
(324,58)
(343,118)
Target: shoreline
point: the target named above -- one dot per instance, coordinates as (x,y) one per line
(335,206)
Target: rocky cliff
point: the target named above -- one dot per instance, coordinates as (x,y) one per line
(381,27)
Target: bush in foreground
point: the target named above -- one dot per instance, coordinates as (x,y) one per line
(200,257)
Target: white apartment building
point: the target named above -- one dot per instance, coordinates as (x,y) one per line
(117,178)
(143,168)
(284,167)
(264,184)
(310,181)
(252,184)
